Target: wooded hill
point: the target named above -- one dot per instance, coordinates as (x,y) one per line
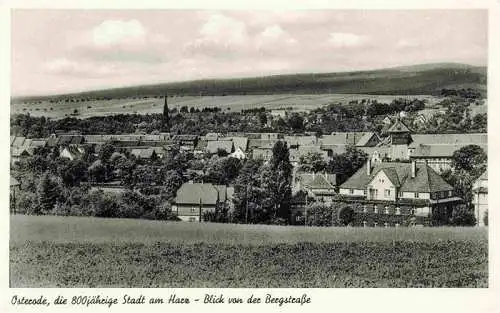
(427,79)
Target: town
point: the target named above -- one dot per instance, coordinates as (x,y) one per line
(391,168)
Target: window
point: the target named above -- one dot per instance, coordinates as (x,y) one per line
(364,192)
(450,193)
(365,209)
(386,210)
(400,194)
(351,191)
(364,223)
(375,209)
(398,211)
(416,195)
(387,193)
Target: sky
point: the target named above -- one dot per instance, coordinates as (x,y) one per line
(59,51)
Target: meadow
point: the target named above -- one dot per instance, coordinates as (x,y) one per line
(231,102)
(54,251)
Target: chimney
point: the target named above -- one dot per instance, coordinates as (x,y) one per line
(369,167)
(413,169)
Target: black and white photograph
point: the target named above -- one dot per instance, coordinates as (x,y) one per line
(245,148)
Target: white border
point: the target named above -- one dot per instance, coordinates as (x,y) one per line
(336,300)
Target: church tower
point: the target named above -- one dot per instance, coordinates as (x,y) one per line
(166,117)
(400,138)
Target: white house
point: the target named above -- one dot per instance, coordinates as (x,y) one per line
(480,190)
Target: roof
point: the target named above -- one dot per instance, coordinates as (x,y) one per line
(425,180)
(14,182)
(214,146)
(18,141)
(337,149)
(240,142)
(197,193)
(398,127)
(75,151)
(481,184)
(317,180)
(146,153)
(300,140)
(184,138)
(449,139)
(262,143)
(439,150)
(365,138)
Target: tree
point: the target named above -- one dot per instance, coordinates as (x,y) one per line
(296,123)
(485,218)
(471,158)
(312,162)
(248,194)
(72,172)
(277,182)
(223,171)
(346,164)
(97,172)
(346,216)
(48,192)
(106,152)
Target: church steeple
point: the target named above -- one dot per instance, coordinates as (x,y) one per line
(166,117)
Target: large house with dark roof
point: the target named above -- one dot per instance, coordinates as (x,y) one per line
(193,200)
(390,193)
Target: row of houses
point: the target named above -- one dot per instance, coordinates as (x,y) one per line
(401,144)
(379,194)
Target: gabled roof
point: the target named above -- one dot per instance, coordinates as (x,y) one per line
(214,146)
(14,182)
(18,141)
(363,141)
(75,151)
(399,127)
(317,180)
(197,194)
(425,180)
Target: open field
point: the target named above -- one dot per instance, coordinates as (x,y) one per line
(49,251)
(233,103)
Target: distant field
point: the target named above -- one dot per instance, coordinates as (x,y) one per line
(233,103)
(49,251)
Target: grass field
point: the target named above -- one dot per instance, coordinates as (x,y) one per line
(234,103)
(49,251)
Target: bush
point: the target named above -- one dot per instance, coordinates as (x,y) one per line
(27,203)
(321,215)
(463,216)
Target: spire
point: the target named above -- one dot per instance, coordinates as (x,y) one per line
(166,118)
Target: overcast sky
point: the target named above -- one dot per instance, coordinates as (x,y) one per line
(65,51)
